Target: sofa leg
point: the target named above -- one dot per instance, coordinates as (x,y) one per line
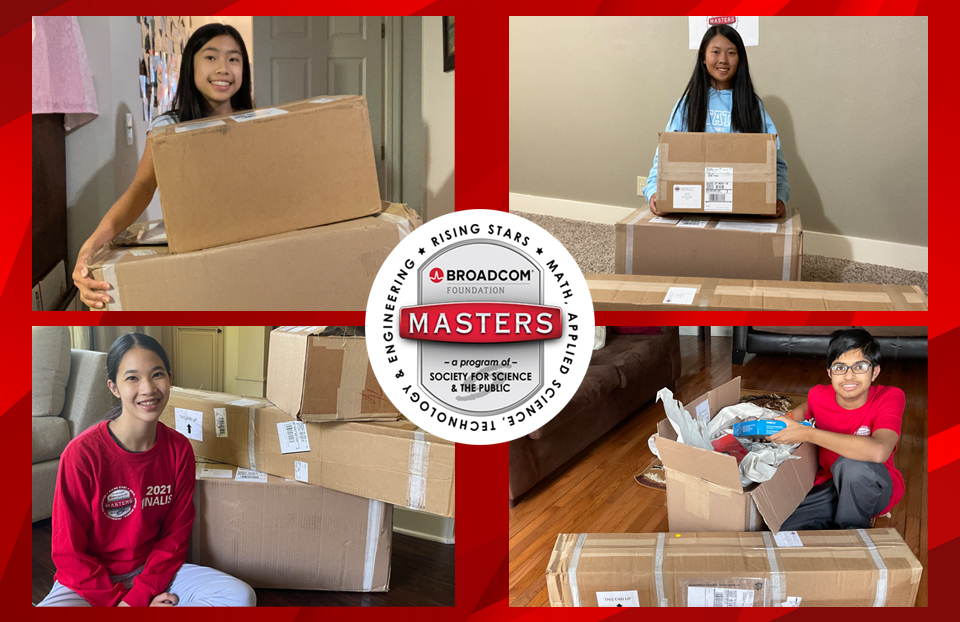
(738,356)
(513,503)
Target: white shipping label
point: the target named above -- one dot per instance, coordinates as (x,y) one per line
(663,220)
(792,601)
(220,421)
(680,296)
(243,402)
(703,411)
(189,423)
(293,437)
(324,100)
(143,252)
(686,197)
(216,473)
(699,223)
(718,189)
(718,597)
(755,227)
(627,598)
(787,538)
(257,114)
(300,470)
(198,126)
(247,475)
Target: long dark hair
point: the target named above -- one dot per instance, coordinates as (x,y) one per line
(745,116)
(120,347)
(188,103)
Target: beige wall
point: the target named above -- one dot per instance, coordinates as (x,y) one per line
(848,96)
(438,123)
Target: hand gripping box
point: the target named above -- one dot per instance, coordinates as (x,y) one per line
(395,462)
(328,268)
(705,245)
(265,171)
(619,292)
(275,533)
(842,568)
(723,173)
(316,376)
(703,487)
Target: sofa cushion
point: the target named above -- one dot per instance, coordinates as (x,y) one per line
(50,437)
(598,382)
(876,331)
(51,369)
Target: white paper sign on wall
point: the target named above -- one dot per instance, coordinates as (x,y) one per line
(748,27)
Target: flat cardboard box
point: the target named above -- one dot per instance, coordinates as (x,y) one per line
(705,245)
(620,292)
(329,268)
(320,378)
(51,289)
(842,568)
(266,171)
(395,462)
(274,533)
(688,161)
(703,487)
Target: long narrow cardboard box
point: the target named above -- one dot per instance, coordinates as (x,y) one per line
(705,245)
(328,268)
(319,377)
(395,462)
(843,568)
(274,533)
(618,292)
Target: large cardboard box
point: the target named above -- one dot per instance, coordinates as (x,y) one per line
(265,171)
(324,378)
(624,292)
(843,568)
(726,173)
(329,268)
(274,533)
(703,487)
(710,246)
(395,462)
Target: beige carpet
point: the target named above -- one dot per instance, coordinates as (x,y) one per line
(592,246)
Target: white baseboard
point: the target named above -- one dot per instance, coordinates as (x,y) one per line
(715,331)
(422,525)
(895,255)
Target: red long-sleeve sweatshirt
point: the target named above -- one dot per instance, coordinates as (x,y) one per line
(114,511)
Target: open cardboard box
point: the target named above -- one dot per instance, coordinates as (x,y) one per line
(703,487)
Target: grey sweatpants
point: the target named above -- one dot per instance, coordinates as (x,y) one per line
(858,492)
(195,586)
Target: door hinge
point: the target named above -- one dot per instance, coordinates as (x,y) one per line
(383,152)
(383,31)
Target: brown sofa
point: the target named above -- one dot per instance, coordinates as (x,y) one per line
(623,376)
(896,342)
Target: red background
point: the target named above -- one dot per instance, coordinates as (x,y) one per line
(482,182)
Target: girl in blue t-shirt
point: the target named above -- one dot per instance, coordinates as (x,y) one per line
(214,81)
(720,98)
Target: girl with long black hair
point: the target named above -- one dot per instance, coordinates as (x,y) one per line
(123,506)
(720,98)
(214,81)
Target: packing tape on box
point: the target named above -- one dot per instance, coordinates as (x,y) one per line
(897,299)
(628,267)
(777,577)
(403,225)
(374,518)
(572,572)
(707,289)
(109,268)
(751,514)
(251,439)
(658,571)
(417,478)
(788,245)
(881,597)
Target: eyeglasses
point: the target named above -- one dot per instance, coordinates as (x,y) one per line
(840,369)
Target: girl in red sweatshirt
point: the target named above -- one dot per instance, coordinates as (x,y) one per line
(123,506)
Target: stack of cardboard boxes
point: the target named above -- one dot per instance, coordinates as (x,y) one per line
(280,197)
(725,547)
(299,493)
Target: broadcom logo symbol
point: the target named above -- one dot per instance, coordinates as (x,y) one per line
(436,275)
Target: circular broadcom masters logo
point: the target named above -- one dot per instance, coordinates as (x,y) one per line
(480,327)
(119,503)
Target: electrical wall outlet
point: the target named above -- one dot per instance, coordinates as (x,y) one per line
(641,183)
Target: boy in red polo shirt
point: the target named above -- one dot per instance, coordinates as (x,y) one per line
(858,426)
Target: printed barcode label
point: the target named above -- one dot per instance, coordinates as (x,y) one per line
(247,475)
(717,197)
(718,597)
(293,437)
(718,189)
(220,420)
(300,470)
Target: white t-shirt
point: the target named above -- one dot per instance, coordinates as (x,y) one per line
(170,118)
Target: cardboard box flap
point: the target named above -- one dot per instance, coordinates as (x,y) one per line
(710,466)
(288,359)
(778,497)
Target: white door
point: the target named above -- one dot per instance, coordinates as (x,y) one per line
(297,57)
(197,357)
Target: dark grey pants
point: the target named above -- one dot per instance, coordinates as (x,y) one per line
(858,492)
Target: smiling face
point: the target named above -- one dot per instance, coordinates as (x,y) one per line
(143,385)
(218,72)
(721,60)
(852,389)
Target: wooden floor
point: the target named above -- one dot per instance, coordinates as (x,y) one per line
(422,575)
(595,491)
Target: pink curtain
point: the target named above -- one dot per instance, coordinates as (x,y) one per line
(62,80)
